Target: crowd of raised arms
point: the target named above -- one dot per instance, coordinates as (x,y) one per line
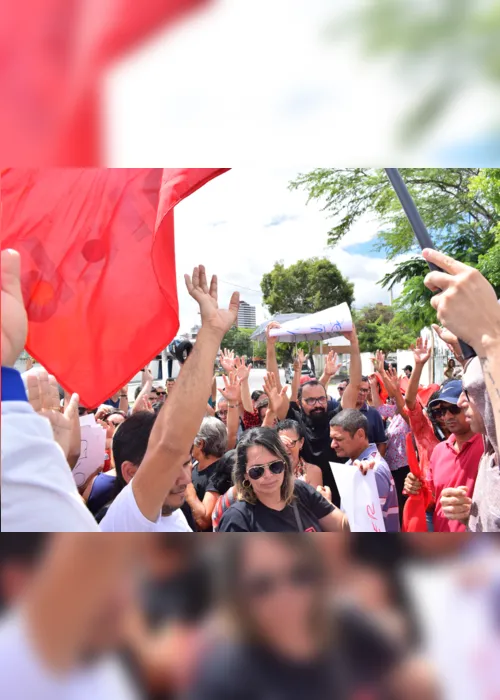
(260,461)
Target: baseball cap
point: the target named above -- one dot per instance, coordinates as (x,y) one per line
(306,378)
(450,392)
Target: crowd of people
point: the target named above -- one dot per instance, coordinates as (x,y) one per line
(179,460)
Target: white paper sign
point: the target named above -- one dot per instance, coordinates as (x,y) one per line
(359,498)
(319,326)
(92,450)
(456,612)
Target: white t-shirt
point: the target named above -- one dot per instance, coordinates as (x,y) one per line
(124,516)
(23,675)
(39,493)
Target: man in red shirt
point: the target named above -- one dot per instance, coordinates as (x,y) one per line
(455,461)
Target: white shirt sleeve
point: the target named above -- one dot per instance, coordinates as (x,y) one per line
(39,493)
(23,674)
(124,515)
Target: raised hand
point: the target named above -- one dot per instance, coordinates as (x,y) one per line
(227,360)
(276,399)
(299,360)
(232,388)
(14,316)
(391,381)
(332,365)
(214,319)
(242,369)
(448,338)
(270,339)
(43,395)
(421,351)
(351,336)
(373,382)
(466,303)
(379,361)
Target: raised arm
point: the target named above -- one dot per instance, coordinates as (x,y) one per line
(332,366)
(180,418)
(232,393)
(123,405)
(421,355)
(468,307)
(297,373)
(391,383)
(351,392)
(278,399)
(243,374)
(147,385)
(271,361)
(86,570)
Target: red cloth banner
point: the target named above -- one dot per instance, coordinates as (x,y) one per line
(98,267)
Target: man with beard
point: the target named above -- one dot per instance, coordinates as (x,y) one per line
(311,412)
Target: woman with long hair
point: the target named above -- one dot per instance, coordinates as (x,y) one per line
(283,638)
(292,436)
(269,498)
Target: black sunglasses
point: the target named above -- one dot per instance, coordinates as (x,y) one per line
(257,472)
(440,412)
(299,577)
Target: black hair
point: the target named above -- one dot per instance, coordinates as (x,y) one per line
(130,443)
(20,549)
(311,382)
(364,378)
(351,421)
(137,392)
(222,479)
(408,367)
(256,394)
(290,424)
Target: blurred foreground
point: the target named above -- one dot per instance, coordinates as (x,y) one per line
(267,616)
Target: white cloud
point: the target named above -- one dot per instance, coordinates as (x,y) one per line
(242,248)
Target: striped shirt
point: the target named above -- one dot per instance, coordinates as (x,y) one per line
(386,488)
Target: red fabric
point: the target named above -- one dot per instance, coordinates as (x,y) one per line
(98,267)
(450,469)
(381,388)
(53,61)
(416,505)
(251,420)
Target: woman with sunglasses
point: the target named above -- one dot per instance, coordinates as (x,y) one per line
(292,436)
(284,638)
(269,498)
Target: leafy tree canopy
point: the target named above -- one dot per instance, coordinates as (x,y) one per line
(305,287)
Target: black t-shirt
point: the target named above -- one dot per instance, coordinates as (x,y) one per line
(317,444)
(204,481)
(356,667)
(245,517)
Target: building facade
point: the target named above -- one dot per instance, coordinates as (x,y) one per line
(246,316)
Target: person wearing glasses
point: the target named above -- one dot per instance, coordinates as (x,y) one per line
(283,635)
(454,463)
(269,498)
(292,437)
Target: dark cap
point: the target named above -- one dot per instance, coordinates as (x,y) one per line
(449,393)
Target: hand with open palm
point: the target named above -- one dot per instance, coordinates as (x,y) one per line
(421,351)
(227,360)
(232,388)
(277,399)
(242,369)
(43,395)
(332,365)
(213,319)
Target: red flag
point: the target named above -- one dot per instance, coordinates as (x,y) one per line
(54,54)
(98,267)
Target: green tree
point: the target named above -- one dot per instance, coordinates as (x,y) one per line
(305,287)
(453,43)
(238,339)
(381,327)
(460,207)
